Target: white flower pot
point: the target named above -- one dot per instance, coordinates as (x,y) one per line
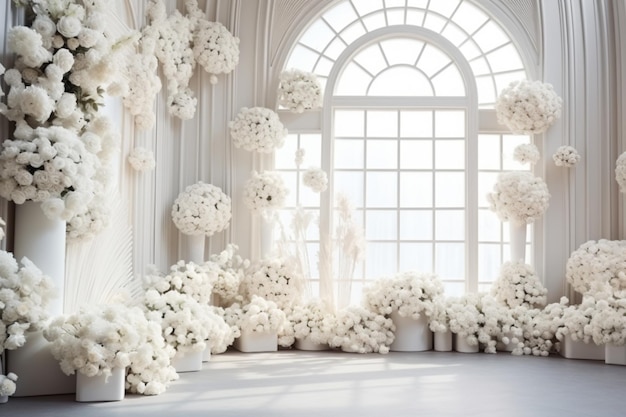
(517,236)
(305,343)
(577,349)
(194,248)
(4,399)
(412,335)
(99,388)
(615,355)
(188,361)
(461,345)
(206,354)
(256,341)
(443,341)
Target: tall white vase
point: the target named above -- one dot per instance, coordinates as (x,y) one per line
(411,335)
(43,242)
(194,248)
(101,388)
(517,237)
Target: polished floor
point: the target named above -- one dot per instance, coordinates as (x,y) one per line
(331,383)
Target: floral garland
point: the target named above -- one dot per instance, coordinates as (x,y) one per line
(597,268)
(202,209)
(519,197)
(264,192)
(518,285)
(274,279)
(566,156)
(526,153)
(257,129)
(410,293)
(360,330)
(299,90)
(620,172)
(528,107)
(141,159)
(316,179)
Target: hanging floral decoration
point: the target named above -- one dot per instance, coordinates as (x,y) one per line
(264,192)
(528,107)
(257,129)
(202,209)
(299,91)
(316,179)
(566,156)
(519,196)
(141,159)
(526,153)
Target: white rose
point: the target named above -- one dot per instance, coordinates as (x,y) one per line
(69,26)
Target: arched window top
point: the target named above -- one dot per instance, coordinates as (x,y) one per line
(493,57)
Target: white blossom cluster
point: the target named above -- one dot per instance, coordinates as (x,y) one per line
(259,315)
(519,197)
(8,384)
(598,268)
(566,156)
(528,107)
(620,172)
(316,179)
(25,293)
(313,320)
(575,321)
(221,335)
(275,279)
(264,192)
(518,285)
(187,278)
(608,324)
(360,330)
(526,153)
(410,293)
(202,209)
(141,159)
(299,90)
(466,317)
(257,129)
(231,270)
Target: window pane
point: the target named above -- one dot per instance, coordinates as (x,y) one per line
(489,152)
(445,8)
(486,180)
(349,123)
(450,124)
(340,15)
(374,21)
(450,260)
(416,257)
(469,17)
(308,197)
(382,154)
(352,32)
(353,81)
(490,36)
(416,225)
(416,124)
(449,189)
(382,124)
(401,81)
(395,17)
(449,225)
(366,7)
(311,144)
(401,50)
(416,189)
(449,82)
(302,58)
(450,154)
(434,22)
(290,179)
(382,189)
(372,59)
(381,225)
(381,259)
(284,157)
(318,35)
(509,143)
(416,154)
(504,59)
(489,262)
(349,153)
(432,60)
(351,184)
(489,226)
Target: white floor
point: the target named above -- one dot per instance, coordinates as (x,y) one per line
(331,383)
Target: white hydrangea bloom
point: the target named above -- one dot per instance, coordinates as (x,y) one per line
(202,209)
(299,90)
(526,153)
(519,196)
(265,191)
(566,156)
(257,129)
(316,179)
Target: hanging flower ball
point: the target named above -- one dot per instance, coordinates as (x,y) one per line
(316,179)
(519,197)
(526,153)
(566,156)
(620,172)
(202,209)
(299,90)
(215,48)
(141,159)
(265,191)
(528,107)
(257,129)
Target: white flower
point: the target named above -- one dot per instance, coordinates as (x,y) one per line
(257,129)
(312,320)
(528,107)
(620,172)
(519,197)
(230,269)
(69,26)
(316,179)
(259,315)
(517,285)
(299,90)
(597,268)
(265,191)
(202,209)
(186,278)
(141,159)
(274,279)
(35,102)
(7,384)
(526,153)
(360,330)
(566,156)
(28,45)
(215,48)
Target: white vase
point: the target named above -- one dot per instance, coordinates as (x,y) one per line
(305,343)
(411,335)
(101,388)
(189,361)
(517,237)
(256,341)
(194,248)
(443,341)
(578,349)
(615,355)
(461,345)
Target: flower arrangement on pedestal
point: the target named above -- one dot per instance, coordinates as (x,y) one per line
(526,153)
(360,330)
(202,209)
(316,179)
(259,315)
(265,192)
(257,129)
(312,320)
(519,197)
(274,279)
(597,268)
(518,285)
(566,156)
(299,91)
(410,293)
(528,107)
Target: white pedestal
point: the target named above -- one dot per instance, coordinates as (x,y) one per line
(33,360)
(517,236)
(194,248)
(615,355)
(187,361)
(99,388)
(443,341)
(256,342)
(206,353)
(461,345)
(411,335)
(578,349)
(307,344)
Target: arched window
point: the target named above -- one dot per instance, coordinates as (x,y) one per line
(400,135)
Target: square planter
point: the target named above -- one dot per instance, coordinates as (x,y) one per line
(615,355)
(307,344)
(99,388)
(189,361)
(256,342)
(577,349)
